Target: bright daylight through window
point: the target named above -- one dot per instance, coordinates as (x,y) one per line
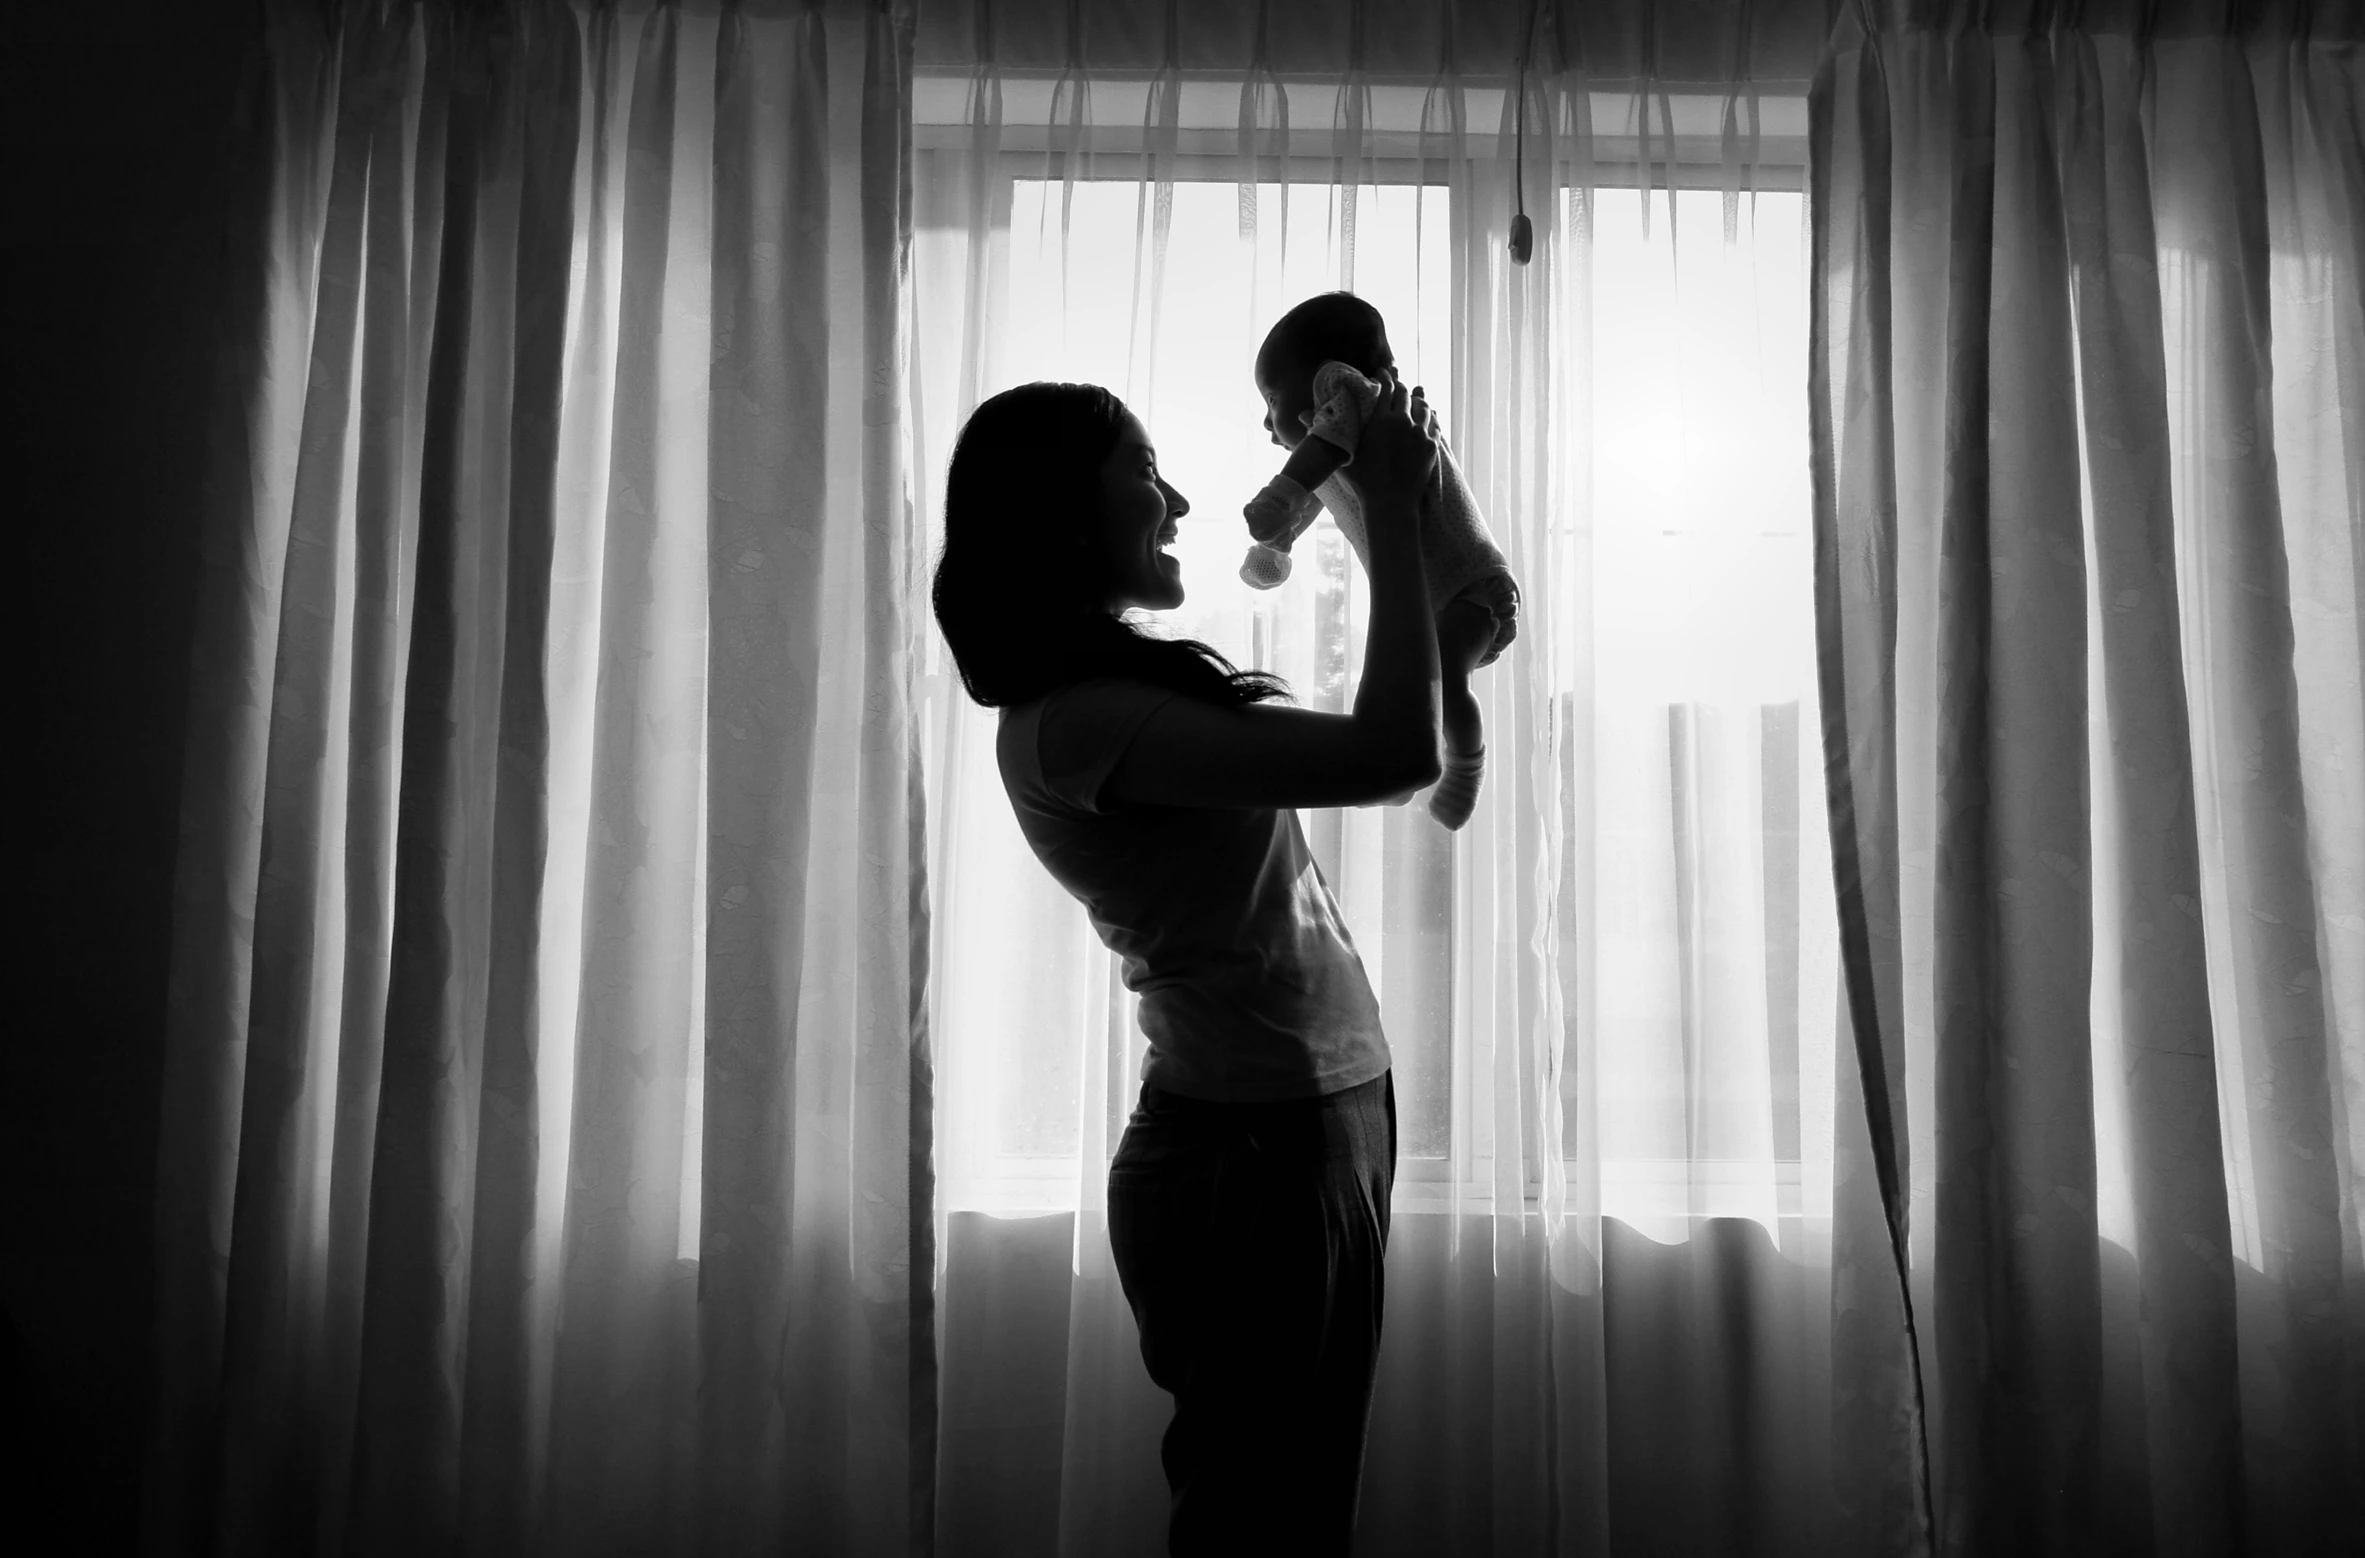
(1690,669)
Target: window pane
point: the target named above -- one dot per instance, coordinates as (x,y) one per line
(1699,847)
(1702,694)
(1700,490)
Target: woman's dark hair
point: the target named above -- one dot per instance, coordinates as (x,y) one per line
(1019,599)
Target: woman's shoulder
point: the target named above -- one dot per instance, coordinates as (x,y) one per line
(1064,745)
(1078,709)
(1102,701)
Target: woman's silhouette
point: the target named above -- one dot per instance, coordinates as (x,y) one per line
(1248,1202)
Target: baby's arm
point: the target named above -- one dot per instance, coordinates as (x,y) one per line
(1313,461)
(1278,515)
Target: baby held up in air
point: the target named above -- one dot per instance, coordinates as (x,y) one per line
(1320,371)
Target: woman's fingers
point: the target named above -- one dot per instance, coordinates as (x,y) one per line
(1407,400)
(1398,453)
(1425,416)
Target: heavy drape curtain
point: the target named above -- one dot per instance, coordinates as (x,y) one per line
(546,1105)
(2090,525)
(1612,998)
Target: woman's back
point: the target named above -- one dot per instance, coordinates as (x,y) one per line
(1251,989)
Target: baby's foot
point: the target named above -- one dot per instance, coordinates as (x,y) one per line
(1456,795)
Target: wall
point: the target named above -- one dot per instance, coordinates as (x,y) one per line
(117,114)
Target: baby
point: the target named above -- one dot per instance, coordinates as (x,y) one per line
(1320,372)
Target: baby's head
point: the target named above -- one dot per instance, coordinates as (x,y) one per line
(1331,327)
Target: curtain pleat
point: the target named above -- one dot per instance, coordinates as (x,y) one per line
(405,167)
(2258,896)
(2018,1353)
(2258,901)
(624,1377)
(283,117)
(2154,1033)
(414,1355)
(1879,1430)
(770,334)
(271,1305)
(501,1402)
(2314,142)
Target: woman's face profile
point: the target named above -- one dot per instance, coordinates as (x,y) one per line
(1138,514)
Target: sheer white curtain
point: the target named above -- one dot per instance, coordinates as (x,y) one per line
(2091,359)
(1613,995)
(545,1119)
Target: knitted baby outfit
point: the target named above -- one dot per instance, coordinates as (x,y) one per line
(1461,557)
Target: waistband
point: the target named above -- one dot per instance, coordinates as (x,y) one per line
(1362,1095)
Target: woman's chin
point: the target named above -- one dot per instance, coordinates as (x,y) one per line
(1166,591)
(1167,596)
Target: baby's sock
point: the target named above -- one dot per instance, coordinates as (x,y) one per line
(1456,795)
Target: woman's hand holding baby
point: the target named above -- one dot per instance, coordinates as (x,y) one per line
(1396,458)
(1395,461)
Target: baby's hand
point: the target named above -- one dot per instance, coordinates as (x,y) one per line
(1277,514)
(1268,518)
(1398,450)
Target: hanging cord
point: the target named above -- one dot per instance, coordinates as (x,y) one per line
(1523,232)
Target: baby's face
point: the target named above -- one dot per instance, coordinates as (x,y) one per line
(1289,399)
(1289,407)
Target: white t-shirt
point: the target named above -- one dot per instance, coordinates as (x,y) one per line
(1250,987)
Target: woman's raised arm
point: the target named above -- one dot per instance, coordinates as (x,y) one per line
(1191,753)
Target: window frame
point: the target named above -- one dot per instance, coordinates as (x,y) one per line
(1653,1191)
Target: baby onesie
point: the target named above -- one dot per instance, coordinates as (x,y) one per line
(1460,556)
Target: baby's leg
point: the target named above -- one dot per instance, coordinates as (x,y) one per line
(1465,631)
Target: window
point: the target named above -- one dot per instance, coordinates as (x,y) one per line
(1686,512)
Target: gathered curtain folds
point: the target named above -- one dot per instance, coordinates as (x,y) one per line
(544,1160)
(2089,396)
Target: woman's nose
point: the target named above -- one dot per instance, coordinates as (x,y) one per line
(1176,504)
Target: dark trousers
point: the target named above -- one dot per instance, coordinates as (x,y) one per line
(1251,1242)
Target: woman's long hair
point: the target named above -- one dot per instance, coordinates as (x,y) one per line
(1018,592)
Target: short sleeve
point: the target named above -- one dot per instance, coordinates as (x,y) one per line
(1082,734)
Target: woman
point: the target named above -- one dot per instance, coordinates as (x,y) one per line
(1248,1202)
